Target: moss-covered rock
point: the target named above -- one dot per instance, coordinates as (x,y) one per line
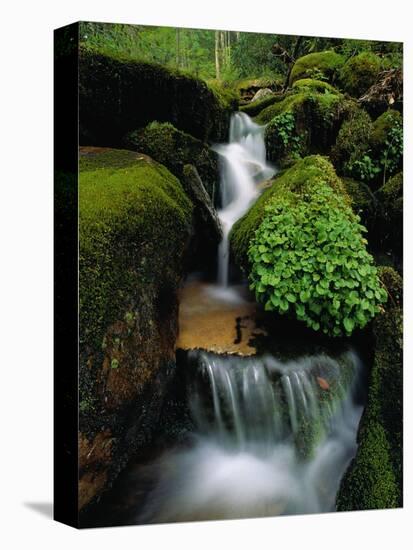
(352,144)
(255,107)
(390,215)
(304,122)
(360,72)
(383,126)
(374,478)
(363,202)
(314,85)
(318,65)
(117,96)
(304,252)
(174,148)
(135,223)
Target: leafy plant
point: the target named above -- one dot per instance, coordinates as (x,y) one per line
(284,139)
(364,169)
(392,151)
(308,259)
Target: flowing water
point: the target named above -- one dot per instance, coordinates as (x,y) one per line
(243,166)
(271,437)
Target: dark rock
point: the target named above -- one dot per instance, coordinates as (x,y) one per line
(120,95)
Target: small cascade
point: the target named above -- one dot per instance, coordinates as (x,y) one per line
(243,166)
(272,438)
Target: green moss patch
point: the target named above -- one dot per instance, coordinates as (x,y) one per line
(174,148)
(318,65)
(360,72)
(374,479)
(134,221)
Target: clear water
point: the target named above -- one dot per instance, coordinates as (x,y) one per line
(252,415)
(242,167)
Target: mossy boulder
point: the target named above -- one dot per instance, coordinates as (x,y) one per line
(314,85)
(119,95)
(135,224)
(369,151)
(253,108)
(390,212)
(352,144)
(363,203)
(374,479)
(305,254)
(317,65)
(360,72)
(174,148)
(303,122)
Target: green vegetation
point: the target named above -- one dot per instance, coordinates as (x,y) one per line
(174,148)
(134,222)
(374,478)
(314,85)
(360,72)
(307,257)
(304,121)
(319,65)
(390,223)
(118,95)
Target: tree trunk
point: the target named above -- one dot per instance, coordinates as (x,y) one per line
(217,60)
(292,61)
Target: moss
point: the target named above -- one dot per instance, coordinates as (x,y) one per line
(375,478)
(315,65)
(118,95)
(255,107)
(352,143)
(317,119)
(294,182)
(134,219)
(363,201)
(174,148)
(382,127)
(390,226)
(314,85)
(360,72)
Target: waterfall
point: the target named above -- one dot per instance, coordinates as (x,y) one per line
(242,166)
(272,438)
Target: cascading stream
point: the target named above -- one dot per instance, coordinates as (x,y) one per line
(272,438)
(243,166)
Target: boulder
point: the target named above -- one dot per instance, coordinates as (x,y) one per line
(117,96)
(390,215)
(374,478)
(305,121)
(135,225)
(207,228)
(319,65)
(304,251)
(263,92)
(360,72)
(174,148)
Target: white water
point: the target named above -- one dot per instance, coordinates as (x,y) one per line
(252,417)
(243,166)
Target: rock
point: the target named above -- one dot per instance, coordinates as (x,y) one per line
(263,92)
(207,227)
(303,121)
(289,246)
(374,479)
(390,216)
(174,148)
(135,224)
(360,72)
(318,64)
(117,96)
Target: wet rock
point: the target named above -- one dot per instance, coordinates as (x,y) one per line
(135,224)
(261,94)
